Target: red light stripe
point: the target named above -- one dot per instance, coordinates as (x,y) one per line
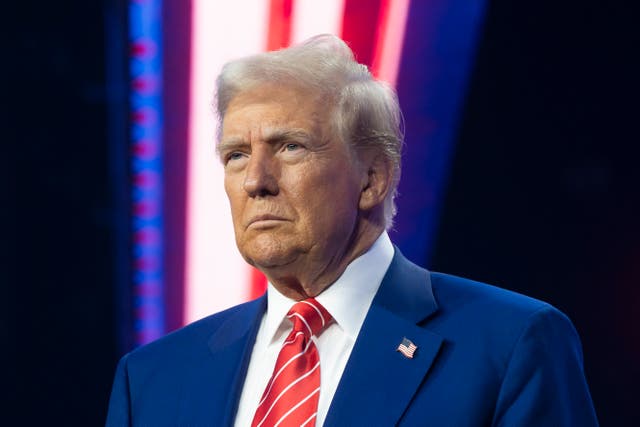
(279,30)
(360,25)
(382,32)
(388,52)
(375,30)
(258,283)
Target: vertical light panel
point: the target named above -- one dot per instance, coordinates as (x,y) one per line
(216,277)
(146,167)
(439,47)
(313,17)
(392,23)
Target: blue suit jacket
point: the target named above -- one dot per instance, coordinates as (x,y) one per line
(485,357)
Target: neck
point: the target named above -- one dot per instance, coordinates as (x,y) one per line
(308,278)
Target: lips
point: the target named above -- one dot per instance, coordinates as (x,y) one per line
(264,217)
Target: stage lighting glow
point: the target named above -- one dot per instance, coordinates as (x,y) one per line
(216,277)
(312,17)
(392,23)
(145,69)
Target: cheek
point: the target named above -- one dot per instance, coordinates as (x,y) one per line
(327,199)
(235,198)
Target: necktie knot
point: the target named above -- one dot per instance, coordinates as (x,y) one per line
(309,317)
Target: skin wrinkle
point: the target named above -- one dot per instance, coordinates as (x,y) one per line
(325,203)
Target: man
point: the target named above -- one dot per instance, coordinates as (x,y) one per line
(349,332)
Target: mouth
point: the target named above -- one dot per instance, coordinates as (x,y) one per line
(264,220)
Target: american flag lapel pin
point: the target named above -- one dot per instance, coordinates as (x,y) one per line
(407,348)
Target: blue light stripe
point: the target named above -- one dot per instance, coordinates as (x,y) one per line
(145,68)
(437,59)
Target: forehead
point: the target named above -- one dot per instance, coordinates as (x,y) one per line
(270,105)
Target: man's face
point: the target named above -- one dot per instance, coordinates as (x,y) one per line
(293,186)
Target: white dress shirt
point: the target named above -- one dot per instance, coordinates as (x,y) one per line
(347,300)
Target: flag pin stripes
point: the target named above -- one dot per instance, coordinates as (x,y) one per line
(407,348)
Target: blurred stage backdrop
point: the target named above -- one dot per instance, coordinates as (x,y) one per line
(519,169)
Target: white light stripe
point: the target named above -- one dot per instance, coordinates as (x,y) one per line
(303,321)
(296,407)
(300,378)
(309,419)
(277,374)
(313,17)
(215,276)
(316,309)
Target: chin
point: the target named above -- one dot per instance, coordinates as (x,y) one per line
(268,261)
(265,252)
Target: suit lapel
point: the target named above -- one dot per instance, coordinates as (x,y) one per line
(219,382)
(379,382)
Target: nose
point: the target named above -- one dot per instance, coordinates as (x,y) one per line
(260,175)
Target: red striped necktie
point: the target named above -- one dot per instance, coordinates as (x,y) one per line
(292,394)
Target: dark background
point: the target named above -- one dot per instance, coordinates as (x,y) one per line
(542,195)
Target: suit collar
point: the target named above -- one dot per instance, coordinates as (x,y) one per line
(405,298)
(240,326)
(406,290)
(230,346)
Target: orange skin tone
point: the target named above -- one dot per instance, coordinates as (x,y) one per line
(303,204)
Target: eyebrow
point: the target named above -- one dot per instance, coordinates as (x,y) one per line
(274,136)
(230,144)
(278,135)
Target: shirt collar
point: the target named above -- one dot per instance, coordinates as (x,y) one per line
(348,299)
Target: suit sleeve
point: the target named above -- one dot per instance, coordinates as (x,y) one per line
(544,382)
(119,403)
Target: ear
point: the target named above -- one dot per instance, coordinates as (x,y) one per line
(377,178)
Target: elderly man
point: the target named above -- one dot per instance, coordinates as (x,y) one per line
(349,331)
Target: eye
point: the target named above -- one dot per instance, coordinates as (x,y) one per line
(233,157)
(291,146)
